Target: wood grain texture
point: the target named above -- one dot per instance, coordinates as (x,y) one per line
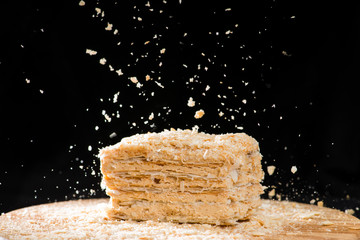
(85,219)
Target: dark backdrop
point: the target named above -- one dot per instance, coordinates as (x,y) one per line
(294,62)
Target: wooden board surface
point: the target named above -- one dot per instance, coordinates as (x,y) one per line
(85,219)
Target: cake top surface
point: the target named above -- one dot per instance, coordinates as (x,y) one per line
(188,139)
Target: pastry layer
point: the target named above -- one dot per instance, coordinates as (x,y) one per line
(198,212)
(243,193)
(179,182)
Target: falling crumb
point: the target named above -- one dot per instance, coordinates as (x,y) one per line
(350,211)
(98,11)
(113,135)
(116,96)
(91,52)
(89,148)
(109,27)
(244,101)
(133,79)
(271,193)
(119,72)
(270,170)
(162,51)
(82,3)
(191,102)
(286,53)
(151,117)
(207,88)
(312,201)
(41,91)
(27,80)
(293,169)
(147,77)
(199,114)
(102,61)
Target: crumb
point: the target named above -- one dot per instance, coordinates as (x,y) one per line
(162,51)
(320,203)
(278,197)
(271,193)
(293,169)
(147,77)
(102,61)
(151,117)
(309,215)
(91,52)
(82,3)
(191,102)
(98,11)
(199,114)
(119,72)
(350,211)
(326,223)
(109,27)
(113,135)
(134,79)
(27,80)
(271,169)
(258,234)
(286,54)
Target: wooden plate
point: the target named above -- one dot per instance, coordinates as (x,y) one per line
(85,219)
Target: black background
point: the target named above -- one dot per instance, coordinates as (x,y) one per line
(303,69)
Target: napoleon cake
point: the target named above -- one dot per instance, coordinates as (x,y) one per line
(183,176)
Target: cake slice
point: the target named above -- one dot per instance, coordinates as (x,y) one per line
(183,176)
